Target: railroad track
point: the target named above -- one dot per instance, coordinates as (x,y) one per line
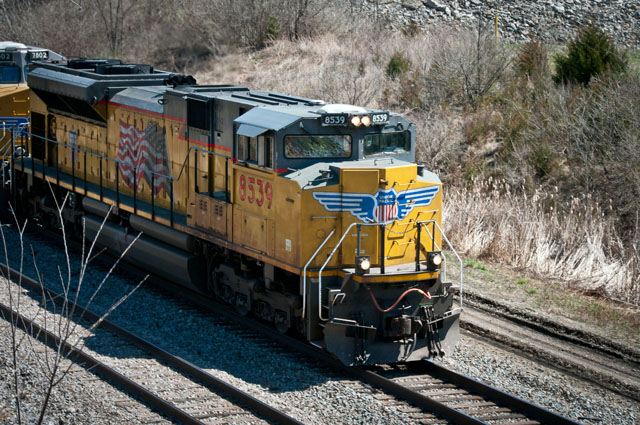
(428,387)
(576,336)
(573,351)
(167,383)
(469,401)
(431,394)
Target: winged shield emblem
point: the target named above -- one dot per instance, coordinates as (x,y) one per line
(384,206)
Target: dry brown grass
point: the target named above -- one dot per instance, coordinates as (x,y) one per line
(339,68)
(456,90)
(578,246)
(573,241)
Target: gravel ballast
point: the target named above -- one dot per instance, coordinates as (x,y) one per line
(81,398)
(554,390)
(306,392)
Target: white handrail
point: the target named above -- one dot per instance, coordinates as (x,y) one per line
(329,258)
(424,223)
(346,232)
(304,273)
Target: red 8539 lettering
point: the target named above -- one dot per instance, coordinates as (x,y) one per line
(255,190)
(242,190)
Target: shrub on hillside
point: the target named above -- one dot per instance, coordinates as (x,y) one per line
(591,53)
(398,65)
(532,60)
(581,140)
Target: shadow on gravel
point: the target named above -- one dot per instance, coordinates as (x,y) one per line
(221,349)
(174,325)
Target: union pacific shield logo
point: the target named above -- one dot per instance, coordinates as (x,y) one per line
(16,124)
(386,205)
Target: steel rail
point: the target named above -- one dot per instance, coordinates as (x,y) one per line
(511,401)
(375,379)
(556,330)
(91,362)
(256,405)
(371,378)
(616,363)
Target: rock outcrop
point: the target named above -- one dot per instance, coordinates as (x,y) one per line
(553,21)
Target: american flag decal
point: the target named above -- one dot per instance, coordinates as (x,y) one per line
(144,151)
(385,213)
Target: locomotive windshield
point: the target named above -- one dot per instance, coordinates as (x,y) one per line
(387,143)
(9,74)
(315,146)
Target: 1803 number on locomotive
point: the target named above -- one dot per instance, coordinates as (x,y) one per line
(255,191)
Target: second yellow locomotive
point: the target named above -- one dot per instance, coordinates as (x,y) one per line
(16,59)
(310,215)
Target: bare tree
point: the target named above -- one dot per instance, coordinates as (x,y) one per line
(14,302)
(470,63)
(223,23)
(58,316)
(354,84)
(113,14)
(13,12)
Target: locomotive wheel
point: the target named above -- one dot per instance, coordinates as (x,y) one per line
(263,310)
(226,294)
(52,221)
(281,322)
(242,304)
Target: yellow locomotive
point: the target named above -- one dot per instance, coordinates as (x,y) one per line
(310,215)
(15,62)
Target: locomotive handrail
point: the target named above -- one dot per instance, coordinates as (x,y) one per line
(10,150)
(102,157)
(421,223)
(444,274)
(304,272)
(329,258)
(98,155)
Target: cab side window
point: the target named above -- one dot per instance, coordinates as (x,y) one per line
(257,150)
(267,157)
(253,150)
(243,148)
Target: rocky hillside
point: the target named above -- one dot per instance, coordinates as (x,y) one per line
(550,20)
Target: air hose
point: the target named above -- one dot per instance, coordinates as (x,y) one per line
(427,295)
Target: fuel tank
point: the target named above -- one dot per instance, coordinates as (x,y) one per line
(178,266)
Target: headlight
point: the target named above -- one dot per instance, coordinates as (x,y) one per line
(365,120)
(355,121)
(434,260)
(363,264)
